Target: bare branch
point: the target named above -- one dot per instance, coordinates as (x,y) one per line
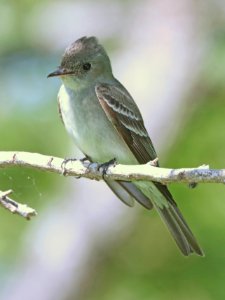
(16,207)
(78,168)
(81,168)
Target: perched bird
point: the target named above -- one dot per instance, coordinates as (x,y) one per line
(105,123)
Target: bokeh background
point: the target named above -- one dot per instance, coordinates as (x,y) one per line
(84,243)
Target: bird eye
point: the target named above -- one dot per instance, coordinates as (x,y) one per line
(86,66)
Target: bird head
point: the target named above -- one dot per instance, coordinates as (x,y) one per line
(85,59)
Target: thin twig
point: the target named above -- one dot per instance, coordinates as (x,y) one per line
(16,207)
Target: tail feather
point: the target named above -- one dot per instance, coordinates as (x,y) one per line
(164,203)
(170,214)
(128,192)
(120,192)
(179,229)
(175,230)
(186,231)
(136,194)
(175,222)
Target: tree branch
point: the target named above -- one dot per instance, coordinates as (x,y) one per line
(78,168)
(16,207)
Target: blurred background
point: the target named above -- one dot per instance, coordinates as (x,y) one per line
(84,243)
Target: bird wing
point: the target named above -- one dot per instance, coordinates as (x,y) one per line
(122,111)
(124,114)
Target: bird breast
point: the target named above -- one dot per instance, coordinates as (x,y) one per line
(88,125)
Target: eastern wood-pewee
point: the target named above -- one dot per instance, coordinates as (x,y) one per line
(105,123)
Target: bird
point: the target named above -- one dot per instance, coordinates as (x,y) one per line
(105,123)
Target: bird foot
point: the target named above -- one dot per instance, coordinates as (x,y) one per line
(104,167)
(85,158)
(66,160)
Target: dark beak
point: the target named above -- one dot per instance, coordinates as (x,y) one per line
(59,72)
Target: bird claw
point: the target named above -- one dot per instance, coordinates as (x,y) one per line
(85,158)
(104,166)
(66,160)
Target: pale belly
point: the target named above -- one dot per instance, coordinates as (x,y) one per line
(91,130)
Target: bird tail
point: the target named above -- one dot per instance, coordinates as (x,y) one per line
(179,229)
(167,208)
(172,217)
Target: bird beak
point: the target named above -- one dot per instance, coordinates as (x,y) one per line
(59,72)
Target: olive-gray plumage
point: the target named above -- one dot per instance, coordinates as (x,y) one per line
(105,123)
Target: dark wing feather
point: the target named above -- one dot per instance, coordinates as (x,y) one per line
(127,192)
(125,116)
(136,194)
(122,111)
(129,123)
(120,192)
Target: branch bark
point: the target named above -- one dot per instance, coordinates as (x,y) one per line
(16,207)
(79,169)
(89,170)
